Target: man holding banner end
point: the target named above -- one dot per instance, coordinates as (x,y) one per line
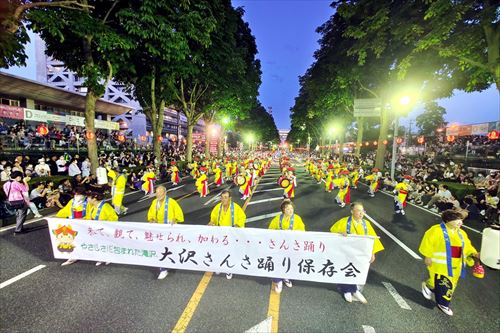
(356,225)
(227,214)
(167,211)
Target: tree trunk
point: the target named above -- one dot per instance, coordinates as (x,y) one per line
(220,145)
(341,147)
(189,144)
(156,143)
(359,140)
(207,140)
(90,101)
(384,129)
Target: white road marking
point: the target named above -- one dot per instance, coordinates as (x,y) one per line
(271,189)
(368,329)
(20,276)
(262,327)
(261,217)
(215,198)
(397,297)
(264,200)
(429,211)
(394,238)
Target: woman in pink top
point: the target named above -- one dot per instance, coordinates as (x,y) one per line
(17,190)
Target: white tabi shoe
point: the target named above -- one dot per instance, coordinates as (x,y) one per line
(359,297)
(278,287)
(162,275)
(68,262)
(348,297)
(229,276)
(445,309)
(426,291)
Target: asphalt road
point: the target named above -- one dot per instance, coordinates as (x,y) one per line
(121,298)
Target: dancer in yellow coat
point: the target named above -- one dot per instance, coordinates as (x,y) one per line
(446,249)
(344,195)
(229,168)
(77,208)
(289,191)
(329,185)
(174,173)
(119,182)
(356,225)
(148,180)
(100,211)
(354,177)
(287,220)
(227,214)
(164,210)
(400,193)
(218,175)
(202,182)
(373,179)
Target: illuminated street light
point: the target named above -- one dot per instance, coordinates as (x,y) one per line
(225,120)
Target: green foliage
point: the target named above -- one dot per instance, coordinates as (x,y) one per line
(431,119)
(12,51)
(261,124)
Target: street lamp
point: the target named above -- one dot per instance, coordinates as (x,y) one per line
(403,101)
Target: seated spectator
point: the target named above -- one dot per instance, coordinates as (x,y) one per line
(53,196)
(42,169)
(73,168)
(38,195)
(443,195)
(61,166)
(65,190)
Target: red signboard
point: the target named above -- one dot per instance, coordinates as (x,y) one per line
(12,112)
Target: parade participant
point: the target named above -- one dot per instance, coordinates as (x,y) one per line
(174,173)
(242,180)
(164,210)
(77,208)
(373,179)
(446,249)
(329,186)
(229,168)
(100,211)
(354,177)
(356,225)
(218,175)
(289,191)
(344,195)
(195,173)
(148,180)
(227,214)
(287,220)
(319,173)
(400,193)
(202,183)
(119,182)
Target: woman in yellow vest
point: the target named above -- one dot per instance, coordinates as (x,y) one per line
(164,210)
(227,214)
(446,249)
(77,208)
(287,220)
(100,211)
(356,225)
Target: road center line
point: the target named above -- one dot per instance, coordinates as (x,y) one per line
(397,297)
(21,276)
(394,238)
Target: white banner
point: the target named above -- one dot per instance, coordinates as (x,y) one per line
(104,124)
(311,256)
(75,120)
(35,115)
